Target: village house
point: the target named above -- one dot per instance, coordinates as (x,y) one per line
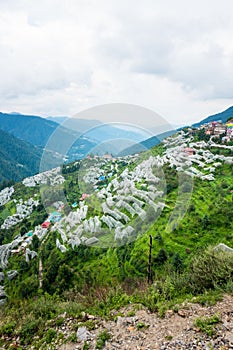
(189,151)
(55,217)
(229,132)
(45,224)
(219,129)
(107,156)
(84,196)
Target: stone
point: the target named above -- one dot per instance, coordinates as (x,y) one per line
(1,277)
(12,274)
(83,334)
(229,337)
(182,313)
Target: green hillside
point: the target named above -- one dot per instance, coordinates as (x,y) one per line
(73,276)
(19,159)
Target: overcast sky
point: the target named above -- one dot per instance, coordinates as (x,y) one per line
(61,57)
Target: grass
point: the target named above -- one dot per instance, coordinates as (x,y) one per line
(207,324)
(101,339)
(90,325)
(141,325)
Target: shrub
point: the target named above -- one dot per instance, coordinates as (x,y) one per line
(211,269)
(149,299)
(8,328)
(141,325)
(161,257)
(28,329)
(45,307)
(59,321)
(206,324)
(101,339)
(90,325)
(86,346)
(50,335)
(177,262)
(28,287)
(73,337)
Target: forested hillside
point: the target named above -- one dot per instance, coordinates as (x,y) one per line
(18,159)
(22,142)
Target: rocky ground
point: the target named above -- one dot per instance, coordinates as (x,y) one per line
(134,327)
(141,330)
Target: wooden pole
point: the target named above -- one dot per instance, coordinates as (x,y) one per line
(149,279)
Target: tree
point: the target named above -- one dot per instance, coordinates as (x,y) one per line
(23,230)
(64,277)
(159,239)
(28,287)
(35,242)
(206,221)
(161,257)
(177,262)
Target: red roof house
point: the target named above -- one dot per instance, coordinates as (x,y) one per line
(45,224)
(189,151)
(84,196)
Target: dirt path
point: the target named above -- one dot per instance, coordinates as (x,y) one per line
(40,273)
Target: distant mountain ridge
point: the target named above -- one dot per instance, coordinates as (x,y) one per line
(25,137)
(32,129)
(102,132)
(38,131)
(147,144)
(222,116)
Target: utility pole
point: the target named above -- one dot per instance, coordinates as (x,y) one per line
(149,279)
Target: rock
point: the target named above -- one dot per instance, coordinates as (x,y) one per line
(169,313)
(223,247)
(2,292)
(1,277)
(84,316)
(182,313)
(83,334)
(90,317)
(125,321)
(229,337)
(12,274)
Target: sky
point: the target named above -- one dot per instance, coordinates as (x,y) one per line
(174,58)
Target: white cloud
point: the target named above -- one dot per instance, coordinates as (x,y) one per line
(59,57)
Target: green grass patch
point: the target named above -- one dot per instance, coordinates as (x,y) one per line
(101,339)
(207,324)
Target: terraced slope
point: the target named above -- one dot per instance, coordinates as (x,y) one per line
(82,232)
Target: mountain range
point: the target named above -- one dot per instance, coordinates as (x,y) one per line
(24,138)
(222,116)
(33,135)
